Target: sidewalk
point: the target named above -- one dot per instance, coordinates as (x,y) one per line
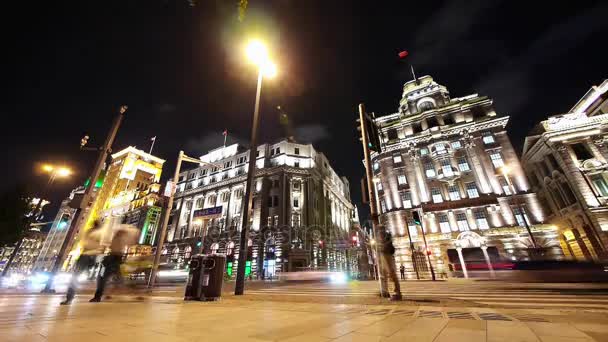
(231,319)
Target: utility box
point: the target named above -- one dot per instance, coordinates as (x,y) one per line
(206,277)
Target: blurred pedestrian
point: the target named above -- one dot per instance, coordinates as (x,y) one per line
(402,271)
(389,269)
(124,236)
(91,247)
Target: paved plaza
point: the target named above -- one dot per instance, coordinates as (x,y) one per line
(163,316)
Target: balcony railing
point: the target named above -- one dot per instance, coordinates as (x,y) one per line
(461,203)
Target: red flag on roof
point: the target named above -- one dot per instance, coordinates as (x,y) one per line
(225,133)
(403,54)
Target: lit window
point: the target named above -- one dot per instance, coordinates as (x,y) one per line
(454,193)
(376,166)
(481,220)
(488,138)
(396,159)
(456,144)
(382,206)
(600,184)
(429,170)
(412,227)
(444,224)
(496,158)
(406,197)
(424,151)
(379,186)
(446,168)
(461,219)
(505,186)
(472,190)
(463,165)
(520,216)
(401,180)
(436,195)
(440,149)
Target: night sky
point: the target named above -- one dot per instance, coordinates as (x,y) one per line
(182,72)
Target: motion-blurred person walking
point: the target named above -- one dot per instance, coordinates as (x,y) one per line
(124,236)
(389,269)
(91,247)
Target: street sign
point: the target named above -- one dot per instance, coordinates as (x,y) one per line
(208,212)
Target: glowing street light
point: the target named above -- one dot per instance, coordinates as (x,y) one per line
(257,53)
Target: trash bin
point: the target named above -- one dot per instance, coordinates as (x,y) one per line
(206,277)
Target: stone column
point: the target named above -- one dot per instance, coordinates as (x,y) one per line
(462,264)
(488,262)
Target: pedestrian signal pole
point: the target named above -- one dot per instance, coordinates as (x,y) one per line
(418,221)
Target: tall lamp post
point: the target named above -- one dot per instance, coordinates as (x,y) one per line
(54,173)
(505,172)
(258,55)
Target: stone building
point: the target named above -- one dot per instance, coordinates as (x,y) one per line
(301,218)
(446,158)
(565,158)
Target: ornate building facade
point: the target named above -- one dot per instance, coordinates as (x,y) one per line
(451,159)
(566,159)
(301,218)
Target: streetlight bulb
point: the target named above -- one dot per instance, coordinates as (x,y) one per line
(64,172)
(47,168)
(505,169)
(257,53)
(373,242)
(269,69)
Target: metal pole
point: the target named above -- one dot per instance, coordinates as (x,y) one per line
(82,214)
(163,230)
(521,209)
(409,236)
(239,287)
(372,196)
(426,248)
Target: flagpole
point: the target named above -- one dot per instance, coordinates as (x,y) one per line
(151,147)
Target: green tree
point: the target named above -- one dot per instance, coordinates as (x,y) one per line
(13,208)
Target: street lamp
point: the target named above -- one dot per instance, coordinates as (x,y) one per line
(505,170)
(257,53)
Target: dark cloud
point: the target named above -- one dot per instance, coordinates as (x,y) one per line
(165,108)
(311,133)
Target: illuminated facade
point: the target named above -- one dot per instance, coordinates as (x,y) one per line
(129,194)
(296,192)
(566,159)
(445,157)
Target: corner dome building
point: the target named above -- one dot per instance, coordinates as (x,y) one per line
(451,159)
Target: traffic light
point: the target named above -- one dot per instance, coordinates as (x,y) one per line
(416,217)
(198,244)
(371,130)
(63,221)
(355,240)
(364,191)
(84,141)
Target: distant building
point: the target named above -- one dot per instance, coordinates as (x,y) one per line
(566,159)
(296,192)
(59,228)
(445,156)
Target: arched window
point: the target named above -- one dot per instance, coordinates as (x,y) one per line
(426,103)
(188,252)
(230,248)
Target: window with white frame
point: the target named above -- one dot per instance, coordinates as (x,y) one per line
(401,180)
(200,202)
(454,192)
(463,224)
(406,198)
(472,190)
(412,227)
(463,165)
(496,158)
(505,186)
(379,186)
(440,149)
(296,150)
(382,206)
(429,170)
(520,216)
(488,138)
(600,184)
(436,194)
(225,196)
(212,200)
(446,168)
(456,144)
(227,164)
(424,151)
(397,159)
(296,203)
(444,224)
(203,172)
(481,219)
